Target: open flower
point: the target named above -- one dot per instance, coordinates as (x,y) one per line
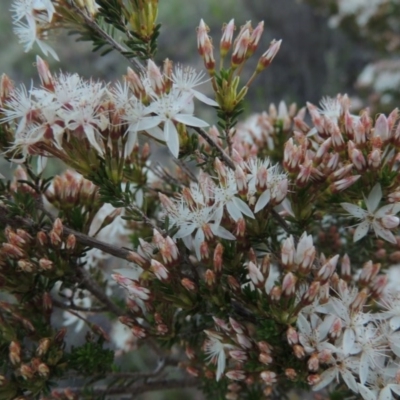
(382,220)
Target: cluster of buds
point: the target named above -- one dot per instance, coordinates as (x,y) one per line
(72,190)
(243,47)
(340,147)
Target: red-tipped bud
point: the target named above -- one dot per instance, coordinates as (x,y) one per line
(188,284)
(266,59)
(159,270)
(217,259)
(227,36)
(45,74)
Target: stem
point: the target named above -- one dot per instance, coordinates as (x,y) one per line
(111,41)
(20,222)
(92,286)
(216,146)
(135,390)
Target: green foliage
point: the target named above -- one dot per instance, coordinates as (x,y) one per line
(91,358)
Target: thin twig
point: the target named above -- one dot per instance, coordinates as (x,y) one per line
(110,40)
(147,220)
(135,390)
(185,168)
(92,286)
(20,222)
(228,161)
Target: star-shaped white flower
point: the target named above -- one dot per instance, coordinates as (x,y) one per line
(381,220)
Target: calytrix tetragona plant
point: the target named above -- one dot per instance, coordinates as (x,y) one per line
(260,263)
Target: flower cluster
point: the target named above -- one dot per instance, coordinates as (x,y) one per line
(232,262)
(68,109)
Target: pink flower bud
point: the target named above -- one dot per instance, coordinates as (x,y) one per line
(327,269)
(217,259)
(236,375)
(287,252)
(255,274)
(266,59)
(159,270)
(238,355)
(188,284)
(227,36)
(155,77)
(292,336)
(265,358)
(255,39)
(269,377)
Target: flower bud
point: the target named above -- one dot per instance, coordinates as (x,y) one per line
(269,377)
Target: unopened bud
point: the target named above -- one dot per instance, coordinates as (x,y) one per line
(45,264)
(70,242)
(14,353)
(188,284)
(217,259)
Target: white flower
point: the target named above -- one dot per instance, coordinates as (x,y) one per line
(372,348)
(38,14)
(186,79)
(269,177)
(169,109)
(203,221)
(225,197)
(342,365)
(382,383)
(381,220)
(215,351)
(313,336)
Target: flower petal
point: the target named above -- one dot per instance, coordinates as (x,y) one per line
(222,232)
(243,207)
(189,120)
(354,210)
(361,231)
(171,138)
(262,201)
(374,198)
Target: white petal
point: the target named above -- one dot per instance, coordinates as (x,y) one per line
(243,207)
(326,378)
(90,134)
(366,393)
(386,210)
(189,120)
(156,133)
(395,388)
(220,364)
(349,380)
(132,136)
(198,240)
(384,233)
(361,231)
(222,232)
(303,324)
(262,201)
(200,96)
(354,210)
(233,211)
(374,198)
(146,123)
(395,323)
(364,367)
(171,138)
(185,230)
(349,338)
(41,164)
